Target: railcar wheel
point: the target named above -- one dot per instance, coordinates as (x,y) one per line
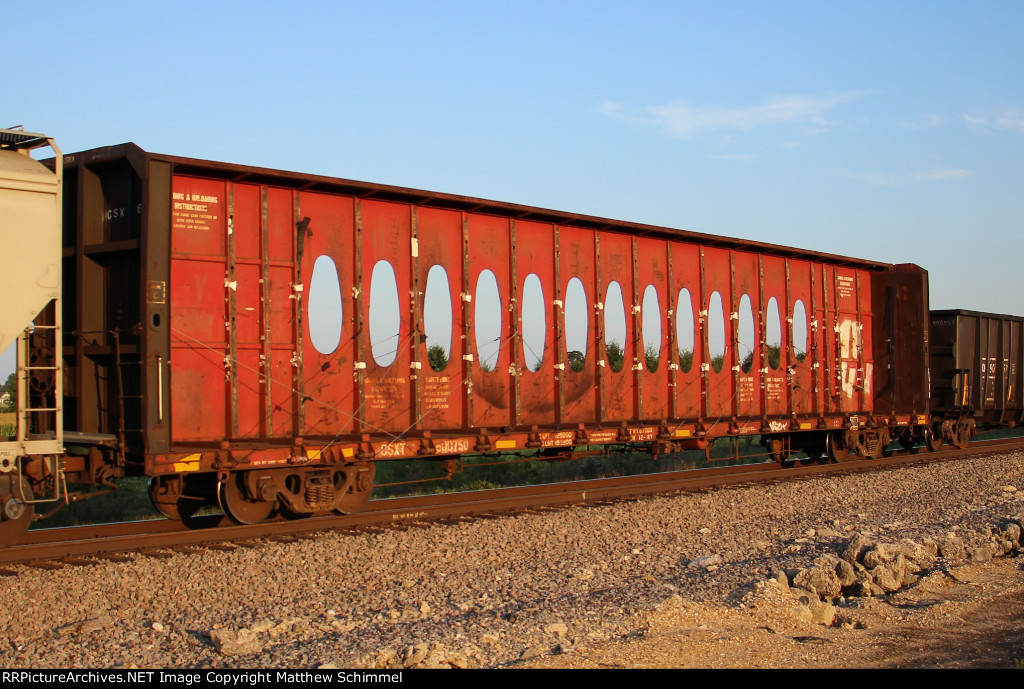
(171,504)
(933,440)
(41,362)
(352,503)
(962,433)
(885,440)
(837,447)
(908,441)
(779,451)
(15,514)
(815,447)
(237,506)
(357,495)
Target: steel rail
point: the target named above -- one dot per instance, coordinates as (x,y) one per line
(46,547)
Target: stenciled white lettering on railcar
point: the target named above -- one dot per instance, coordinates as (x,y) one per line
(395,449)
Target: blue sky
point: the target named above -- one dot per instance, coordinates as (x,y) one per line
(891,131)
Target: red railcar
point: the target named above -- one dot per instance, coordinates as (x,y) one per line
(268,335)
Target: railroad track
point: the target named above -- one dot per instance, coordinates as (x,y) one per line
(81,545)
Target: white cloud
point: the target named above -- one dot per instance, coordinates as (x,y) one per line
(931,175)
(683,120)
(924,121)
(1012,120)
(618,112)
(895,179)
(878,179)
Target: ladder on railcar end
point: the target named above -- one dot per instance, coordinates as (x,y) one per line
(40,405)
(134,394)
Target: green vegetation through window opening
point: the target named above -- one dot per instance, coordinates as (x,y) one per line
(437,357)
(615,354)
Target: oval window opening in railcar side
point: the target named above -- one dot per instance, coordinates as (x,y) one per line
(684,330)
(746,334)
(773,334)
(799,331)
(614,327)
(576,324)
(437,318)
(651,328)
(385,314)
(535,322)
(716,332)
(323,306)
(487,317)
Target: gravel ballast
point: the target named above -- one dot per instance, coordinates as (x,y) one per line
(485,593)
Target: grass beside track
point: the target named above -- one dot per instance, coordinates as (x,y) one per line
(130,502)
(483,472)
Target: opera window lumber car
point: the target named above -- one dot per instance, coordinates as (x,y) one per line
(260,338)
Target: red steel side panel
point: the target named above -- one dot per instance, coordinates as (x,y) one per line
(244,366)
(718,278)
(617,266)
(747,280)
(439,241)
(798,363)
(774,378)
(535,254)
(828,322)
(488,249)
(689,383)
(199,394)
(282,312)
(652,270)
(853,349)
(816,341)
(868,354)
(387,390)
(249,393)
(330,393)
(576,259)
(234,312)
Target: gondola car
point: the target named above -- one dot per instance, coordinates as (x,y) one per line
(976,369)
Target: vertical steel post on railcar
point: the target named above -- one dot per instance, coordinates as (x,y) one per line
(561,347)
(515,367)
(705,365)
(359,291)
(416,319)
(232,296)
(639,350)
(672,351)
(298,292)
(734,341)
(601,339)
(467,326)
